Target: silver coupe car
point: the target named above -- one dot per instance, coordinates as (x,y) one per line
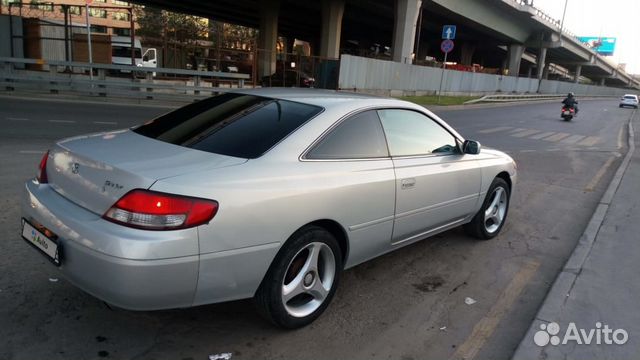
(268,194)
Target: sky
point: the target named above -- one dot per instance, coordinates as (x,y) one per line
(607,18)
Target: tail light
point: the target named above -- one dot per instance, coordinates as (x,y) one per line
(153,210)
(41,176)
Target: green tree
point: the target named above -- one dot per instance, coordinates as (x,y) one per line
(156,23)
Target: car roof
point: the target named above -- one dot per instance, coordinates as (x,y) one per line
(634,95)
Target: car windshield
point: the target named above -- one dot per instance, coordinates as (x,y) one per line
(125,51)
(632,97)
(238,125)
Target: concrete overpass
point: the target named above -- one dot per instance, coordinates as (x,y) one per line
(531,39)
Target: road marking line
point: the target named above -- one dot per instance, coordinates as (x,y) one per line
(494,130)
(573,139)
(557,137)
(517,130)
(598,176)
(16,119)
(31,152)
(543,135)
(589,141)
(62,121)
(106,122)
(487,325)
(525,133)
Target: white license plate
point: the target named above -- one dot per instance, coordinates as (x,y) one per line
(40,241)
(566,113)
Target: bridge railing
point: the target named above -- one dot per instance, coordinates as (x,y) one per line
(130,81)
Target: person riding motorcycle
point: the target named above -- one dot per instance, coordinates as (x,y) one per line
(571,102)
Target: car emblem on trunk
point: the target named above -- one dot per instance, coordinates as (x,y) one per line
(75,167)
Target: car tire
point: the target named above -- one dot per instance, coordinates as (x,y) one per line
(490,219)
(302,279)
(621,106)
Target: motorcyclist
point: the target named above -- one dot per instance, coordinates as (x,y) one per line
(571,102)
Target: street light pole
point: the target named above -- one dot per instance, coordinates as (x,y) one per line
(564,12)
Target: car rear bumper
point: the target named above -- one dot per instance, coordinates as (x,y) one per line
(129,268)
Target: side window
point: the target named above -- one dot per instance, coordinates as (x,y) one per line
(412,133)
(358,137)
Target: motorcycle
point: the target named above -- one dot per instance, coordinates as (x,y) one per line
(568,113)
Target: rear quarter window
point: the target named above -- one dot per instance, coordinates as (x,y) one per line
(238,125)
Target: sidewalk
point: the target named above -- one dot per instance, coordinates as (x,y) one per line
(599,287)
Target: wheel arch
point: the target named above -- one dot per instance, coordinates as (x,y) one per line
(506,177)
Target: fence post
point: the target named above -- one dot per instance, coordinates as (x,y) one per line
(102,76)
(196,83)
(149,78)
(53,70)
(8,69)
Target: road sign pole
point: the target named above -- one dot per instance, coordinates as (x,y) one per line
(89,42)
(444,65)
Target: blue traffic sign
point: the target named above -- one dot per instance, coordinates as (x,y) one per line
(449,32)
(446,46)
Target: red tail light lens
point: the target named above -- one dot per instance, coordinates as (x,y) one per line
(152,210)
(41,176)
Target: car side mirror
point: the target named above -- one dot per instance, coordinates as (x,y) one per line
(471,147)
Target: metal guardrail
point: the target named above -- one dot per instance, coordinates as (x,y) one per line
(56,80)
(516,98)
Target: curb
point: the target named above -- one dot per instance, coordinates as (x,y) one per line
(556,297)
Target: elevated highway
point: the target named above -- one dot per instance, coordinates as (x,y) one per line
(506,34)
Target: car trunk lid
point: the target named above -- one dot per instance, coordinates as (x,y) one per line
(94,171)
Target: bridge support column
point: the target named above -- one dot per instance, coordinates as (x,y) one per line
(515,57)
(576,79)
(404,30)
(332,11)
(268,37)
(541,62)
(602,83)
(466,53)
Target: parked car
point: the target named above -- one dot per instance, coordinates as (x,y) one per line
(291,78)
(264,193)
(629,100)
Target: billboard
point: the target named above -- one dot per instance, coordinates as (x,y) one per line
(602,45)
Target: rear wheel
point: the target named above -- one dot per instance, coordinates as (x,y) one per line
(488,222)
(302,279)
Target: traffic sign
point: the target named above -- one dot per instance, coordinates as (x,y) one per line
(449,32)
(446,46)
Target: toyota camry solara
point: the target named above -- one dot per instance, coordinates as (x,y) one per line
(268,194)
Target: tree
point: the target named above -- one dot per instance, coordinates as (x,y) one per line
(156,23)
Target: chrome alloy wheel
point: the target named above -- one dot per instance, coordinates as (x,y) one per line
(495,212)
(308,279)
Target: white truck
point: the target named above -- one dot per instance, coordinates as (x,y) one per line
(121,52)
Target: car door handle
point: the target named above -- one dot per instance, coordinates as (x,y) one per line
(408,183)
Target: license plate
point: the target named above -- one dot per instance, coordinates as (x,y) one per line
(566,113)
(40,241)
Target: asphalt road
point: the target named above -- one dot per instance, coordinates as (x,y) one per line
(409,304)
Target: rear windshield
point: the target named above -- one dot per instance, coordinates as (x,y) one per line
(238,125)
(630,97)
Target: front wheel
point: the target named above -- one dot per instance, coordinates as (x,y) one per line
(302,279)
(488,222)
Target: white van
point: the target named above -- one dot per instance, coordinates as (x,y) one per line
(121,52)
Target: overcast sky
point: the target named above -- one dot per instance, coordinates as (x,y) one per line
(607,18)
